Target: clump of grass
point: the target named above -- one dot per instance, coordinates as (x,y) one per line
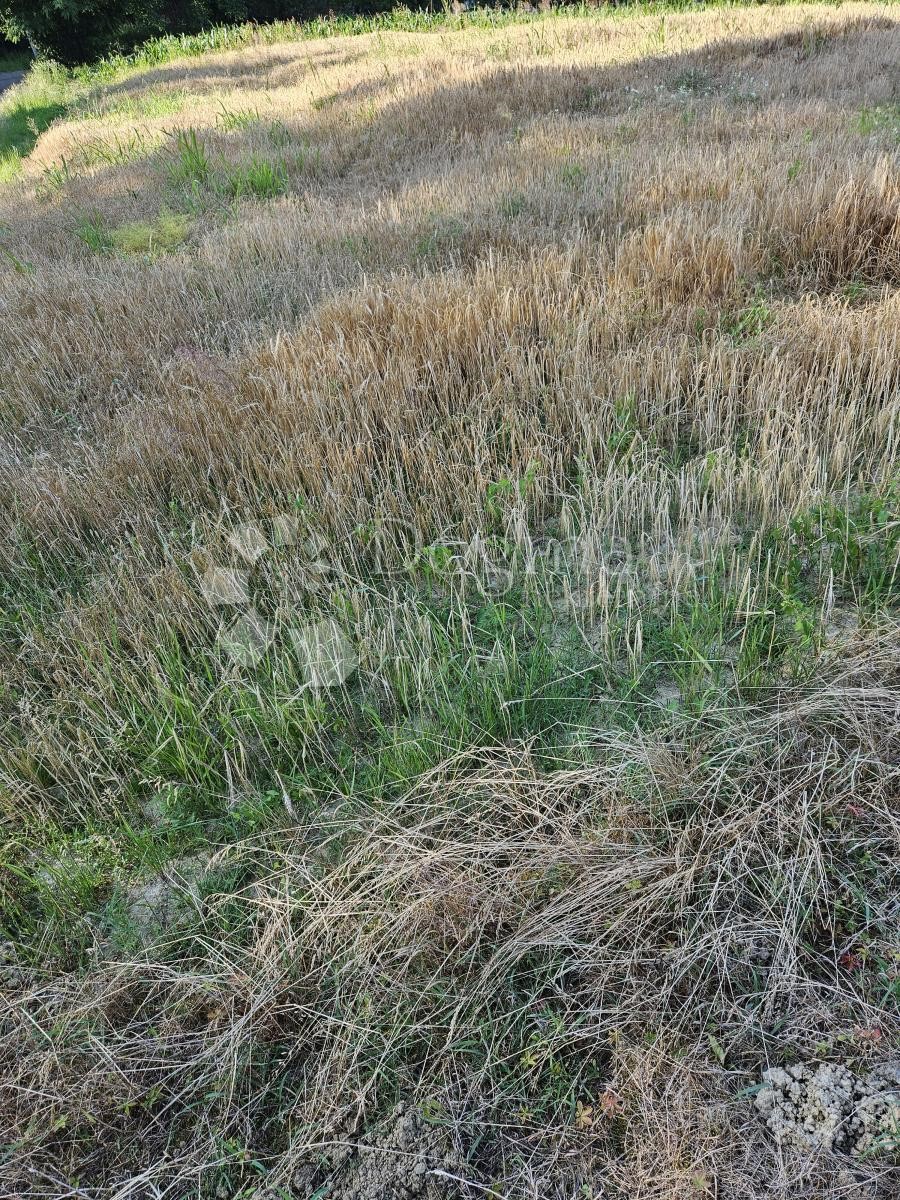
(142,106)
(573,173)
(880,118)
(231,119)
(191,166)
(751,320)
(694,82)
(512,206)
(139,237)
(260,178)
(93,231)
(115,150)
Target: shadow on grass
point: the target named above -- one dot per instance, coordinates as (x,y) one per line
(281,65)
(21,127)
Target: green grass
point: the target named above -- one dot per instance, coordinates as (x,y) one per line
(143,237)
(490,672)
(193,171)
(259,178)
(20,127)
(499,669)
(191,167)
(93,232)
(881,118)
(129,108)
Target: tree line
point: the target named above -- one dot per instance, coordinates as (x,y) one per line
(78,31)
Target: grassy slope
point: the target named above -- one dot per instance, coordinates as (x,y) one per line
(554,363)
(50,90)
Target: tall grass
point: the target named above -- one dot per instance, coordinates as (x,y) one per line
(525,370)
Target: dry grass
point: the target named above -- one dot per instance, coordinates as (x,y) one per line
(570,350)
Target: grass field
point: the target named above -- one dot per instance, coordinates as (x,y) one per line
(449,634)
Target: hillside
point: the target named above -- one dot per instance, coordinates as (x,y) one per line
(449,658)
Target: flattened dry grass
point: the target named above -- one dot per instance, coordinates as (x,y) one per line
(556,364)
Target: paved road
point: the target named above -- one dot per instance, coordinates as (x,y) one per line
(8,78)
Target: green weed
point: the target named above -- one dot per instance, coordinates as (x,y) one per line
(573,174)
(794,169)
(54,179)
(693,82)
(880,118)
(230,119)
(93,231)
(143,237)
(259,179)
(191,166)
(751,321)
(512,206)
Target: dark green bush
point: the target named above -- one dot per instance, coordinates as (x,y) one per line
(78,31)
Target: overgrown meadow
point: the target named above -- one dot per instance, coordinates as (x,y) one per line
(449,644)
